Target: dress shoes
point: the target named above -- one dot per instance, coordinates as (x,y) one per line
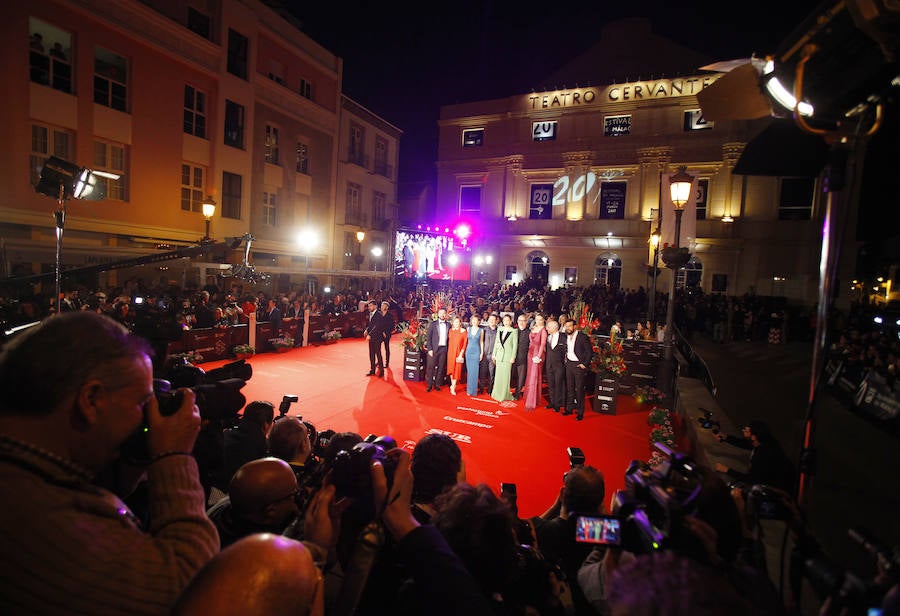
(579,416)
(429,388)
(370,373)
(437,389)
(567,412)
(554,409)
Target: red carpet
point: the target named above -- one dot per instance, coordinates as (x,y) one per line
(499,442)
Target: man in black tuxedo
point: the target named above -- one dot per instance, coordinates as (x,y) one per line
(436,342)
(578,358)
(273,314)
(521,364)
(375,336)
(556,366)
(387,328)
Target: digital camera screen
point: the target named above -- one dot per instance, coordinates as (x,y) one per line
(601,530)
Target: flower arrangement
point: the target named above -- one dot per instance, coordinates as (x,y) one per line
(285,342)
(333,335)
(441,300)
(584,320)
(412,335)
(608,358)
(661,431)
(650,395)
(243,349)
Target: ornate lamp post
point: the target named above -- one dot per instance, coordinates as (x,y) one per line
(360,236)
(675,257)
(209,210)
(654,241)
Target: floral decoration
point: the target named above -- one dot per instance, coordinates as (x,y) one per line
(412,335)
(608,358)
(441,300)
(282,343)
(333,334)
(661,431)
(648,395)
(584,319)
(243,349)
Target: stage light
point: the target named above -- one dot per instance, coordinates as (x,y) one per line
(62,179)
(463,232)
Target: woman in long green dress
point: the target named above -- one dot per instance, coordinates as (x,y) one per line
(504,357)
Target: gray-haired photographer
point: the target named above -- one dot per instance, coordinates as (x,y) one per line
(73,389)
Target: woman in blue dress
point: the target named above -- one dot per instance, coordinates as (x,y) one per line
(474,353)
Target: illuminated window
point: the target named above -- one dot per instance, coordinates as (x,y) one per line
(702,194)
(269,209)
(111,157)
(271,152)
(194,112)
(473,137)
(353,207)
(49,55)
(234,124)
(191,188)
(302,158)
(47,141)
(110,79)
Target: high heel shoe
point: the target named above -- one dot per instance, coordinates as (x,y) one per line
(452,392)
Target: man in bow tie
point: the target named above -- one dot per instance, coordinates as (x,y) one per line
(436,343)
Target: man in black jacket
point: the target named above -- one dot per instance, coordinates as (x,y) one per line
(556,366)
(768,464)
(521,365)
(578,359)
(375,336)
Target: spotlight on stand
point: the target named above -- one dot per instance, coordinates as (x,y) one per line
(63,180)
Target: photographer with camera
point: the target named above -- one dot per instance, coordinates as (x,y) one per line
(70,546)
(247,441)
(768,464)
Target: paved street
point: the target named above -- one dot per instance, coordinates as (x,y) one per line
(855,484)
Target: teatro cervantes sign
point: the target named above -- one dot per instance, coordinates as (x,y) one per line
(621,92)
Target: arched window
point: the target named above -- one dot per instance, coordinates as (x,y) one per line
(690,275)
(608,269)
(538,265)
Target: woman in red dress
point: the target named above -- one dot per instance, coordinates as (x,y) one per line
(457,340)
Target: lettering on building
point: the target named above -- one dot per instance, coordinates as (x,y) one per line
(636,91)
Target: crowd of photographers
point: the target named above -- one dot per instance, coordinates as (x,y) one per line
(125,496)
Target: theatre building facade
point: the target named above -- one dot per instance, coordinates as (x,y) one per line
(570,184)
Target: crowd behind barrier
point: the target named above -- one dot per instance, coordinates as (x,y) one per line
(411,529)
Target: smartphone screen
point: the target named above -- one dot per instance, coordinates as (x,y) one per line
(598,529)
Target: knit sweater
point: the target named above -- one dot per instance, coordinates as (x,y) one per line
(70,547)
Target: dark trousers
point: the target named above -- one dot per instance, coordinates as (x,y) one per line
(521,376)
(387,350)
(436,367)
(486,374)
(556,385)
(575,387)
(375,359)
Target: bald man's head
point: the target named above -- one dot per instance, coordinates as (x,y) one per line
(264,491)
(258,575)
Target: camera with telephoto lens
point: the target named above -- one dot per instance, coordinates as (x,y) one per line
(763,502)
(217,395)
(656,501)
(352,476)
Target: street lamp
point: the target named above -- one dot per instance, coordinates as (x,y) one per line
(377,251)
(360,236)
(307,240)
(676,257)
(654,241)
(209,210)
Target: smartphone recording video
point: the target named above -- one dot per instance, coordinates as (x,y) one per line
(598,529)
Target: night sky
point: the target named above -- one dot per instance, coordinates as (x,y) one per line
(403,63)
